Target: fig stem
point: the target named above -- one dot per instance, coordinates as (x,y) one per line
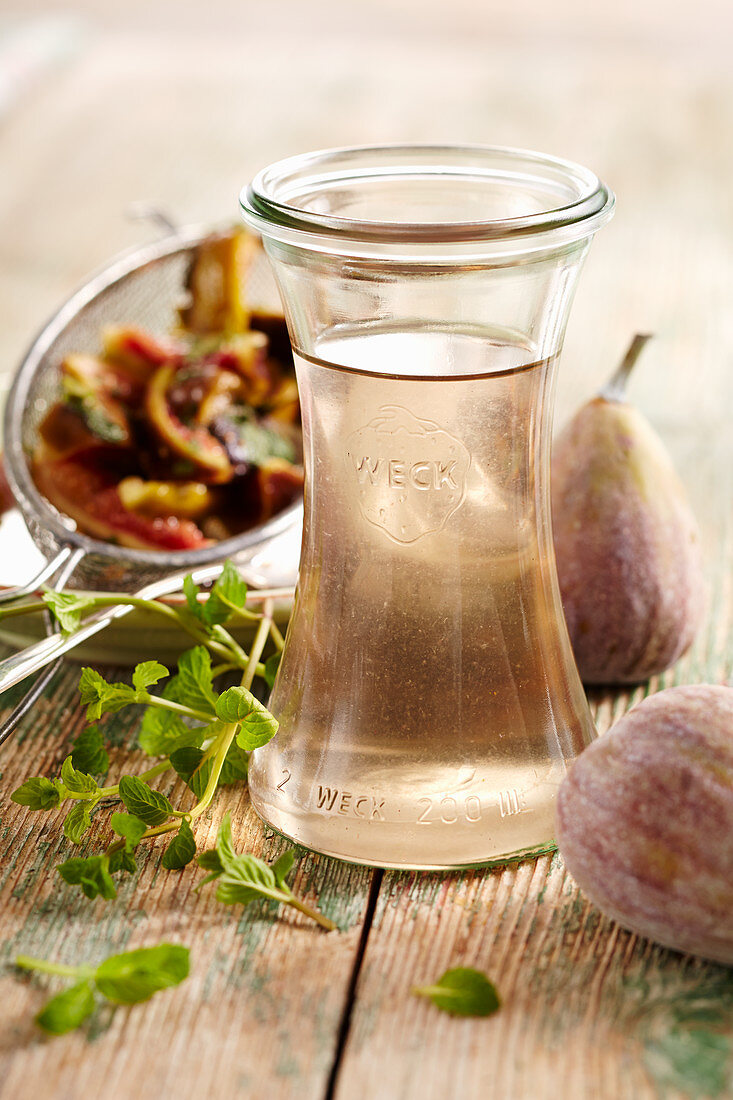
(615,388)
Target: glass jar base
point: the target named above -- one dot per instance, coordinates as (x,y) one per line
(391,849)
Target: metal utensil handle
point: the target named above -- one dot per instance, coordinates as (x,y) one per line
(30,660)
(50,569)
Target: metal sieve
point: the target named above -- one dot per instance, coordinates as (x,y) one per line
(141,287)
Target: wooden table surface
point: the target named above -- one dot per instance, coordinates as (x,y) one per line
(180,105)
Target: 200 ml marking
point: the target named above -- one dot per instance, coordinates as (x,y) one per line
(449,810)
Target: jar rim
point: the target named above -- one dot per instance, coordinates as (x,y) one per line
(276,201)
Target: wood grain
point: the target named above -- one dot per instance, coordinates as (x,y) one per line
(262,1008)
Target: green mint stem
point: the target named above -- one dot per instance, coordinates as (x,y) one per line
(217,670)
(258,644)
(222,743)
(179,708)
(276,636)
(22,609)
(25,962)
(312,913)
(227,735)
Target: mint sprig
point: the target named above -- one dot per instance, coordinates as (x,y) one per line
(127,978)
(194,731)
(242,879)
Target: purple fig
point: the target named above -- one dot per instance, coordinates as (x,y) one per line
(645,820)
(626,541)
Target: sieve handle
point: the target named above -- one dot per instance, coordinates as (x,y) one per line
(37,656)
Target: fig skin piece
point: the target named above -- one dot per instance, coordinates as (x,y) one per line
(627,544)
(645,820)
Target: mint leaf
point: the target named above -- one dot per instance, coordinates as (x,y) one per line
(77,821)
(77,782)
(245,879)
(67,608)
(228,594)
(235,768)
(123,859)
(147,674)
(162,731)
(224,842)
(191,592)
(88,753)
(190,766)
(257,724)
(101,697)
(272,664)
(210,861)
(283,865)
(67,1010)
(194,680)
(195,771)
(241,879)
(129,827)
(150,806)
(462,992)
(92,874)
(181,849)
(135,976)
(37,793)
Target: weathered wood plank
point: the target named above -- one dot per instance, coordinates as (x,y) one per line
(262,1008)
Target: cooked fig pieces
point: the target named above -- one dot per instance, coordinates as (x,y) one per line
(645,820)
(626,543)
(195,444)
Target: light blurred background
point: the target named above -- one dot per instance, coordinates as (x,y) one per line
(109,101)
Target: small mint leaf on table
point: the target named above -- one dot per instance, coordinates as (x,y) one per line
(462,991)
(37,793)
(181,849)
(272,664)
(77,782)
(194,680)
(148,673)
(67,1010)
(91,874)
(67,608)
(101,697)
(88,753)
(258,726)
(77,821)
(135,976)
(150,806)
